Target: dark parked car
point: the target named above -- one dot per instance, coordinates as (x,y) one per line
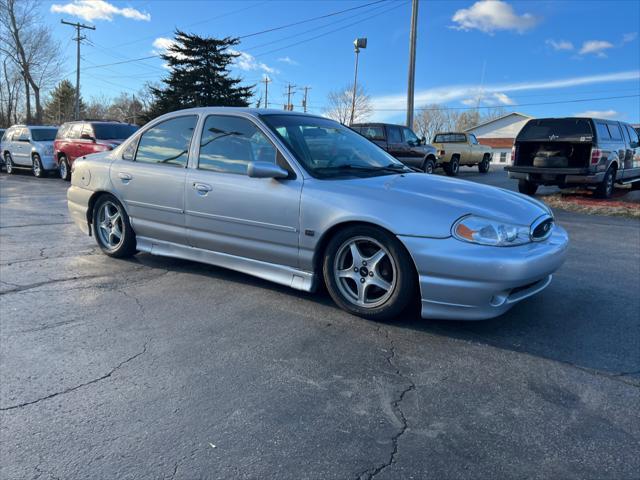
(402,143)
(571,152)
(77,139)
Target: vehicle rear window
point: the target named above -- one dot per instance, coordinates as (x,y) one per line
(43,134)
(372,132)
(108,131)
(603,131)
(546,128)
(449,138)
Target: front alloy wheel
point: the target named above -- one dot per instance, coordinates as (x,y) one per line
(8,164)
(112,229)
(36,166)
(368,272)
(63,168)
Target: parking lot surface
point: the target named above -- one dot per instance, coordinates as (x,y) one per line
(159,368)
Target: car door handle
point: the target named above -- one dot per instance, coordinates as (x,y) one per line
(202,188)
(125,177)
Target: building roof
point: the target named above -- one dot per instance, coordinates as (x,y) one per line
(497,119)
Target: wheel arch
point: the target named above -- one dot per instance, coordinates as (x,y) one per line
(94,198)
(323,242)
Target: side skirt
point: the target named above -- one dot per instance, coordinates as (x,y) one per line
(284,275)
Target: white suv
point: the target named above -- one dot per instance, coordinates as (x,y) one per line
(29,146)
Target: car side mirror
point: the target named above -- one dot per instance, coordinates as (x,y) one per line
(266,170)
(86,136)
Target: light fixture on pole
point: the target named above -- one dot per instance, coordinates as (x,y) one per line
(358,43)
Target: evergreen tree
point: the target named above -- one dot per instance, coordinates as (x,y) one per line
(60,106)
(199,75)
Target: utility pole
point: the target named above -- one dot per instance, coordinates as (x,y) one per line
(133,107)
(78,39)
(289,106)
(304,100)
(266,81)
(358,43)
(412,62)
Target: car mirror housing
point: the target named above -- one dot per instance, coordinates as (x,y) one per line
(86,136)
(266,170)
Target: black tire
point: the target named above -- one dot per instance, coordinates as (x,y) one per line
(36,166)
(63,168)
(605,188)
(453,167)
(395,268)
(484,165)
(429,166)
(126,245)
(8,164)
(526,187)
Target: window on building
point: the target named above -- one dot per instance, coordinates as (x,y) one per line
(503,157)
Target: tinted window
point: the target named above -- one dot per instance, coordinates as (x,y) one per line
(603,132)
(634,137)
(394,135)
(373,132)
(75,131)
(87,130)
(449,138)
(62,131)
(43,134)
(20,132)
(614,130)
(168,142)
(410,137)
(113,131)
(545,128)
(228,144)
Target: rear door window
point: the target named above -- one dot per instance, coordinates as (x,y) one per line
(633,135)
(394,135)
(167,143)
(373,132)
(603,132)
(75,131)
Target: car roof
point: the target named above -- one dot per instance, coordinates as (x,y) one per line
(247,110)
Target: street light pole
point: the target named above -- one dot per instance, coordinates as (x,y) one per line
(412,62)
(358,43)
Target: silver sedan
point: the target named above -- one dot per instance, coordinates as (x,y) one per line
(302,201)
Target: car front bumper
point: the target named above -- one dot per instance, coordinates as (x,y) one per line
(464,281)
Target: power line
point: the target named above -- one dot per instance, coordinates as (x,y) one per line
(300,22)
(78,26)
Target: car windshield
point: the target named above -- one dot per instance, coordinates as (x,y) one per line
(546,128)
(108,131)
(327,149)
(43,134)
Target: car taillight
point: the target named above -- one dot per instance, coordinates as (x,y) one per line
(513,154)
(596,155)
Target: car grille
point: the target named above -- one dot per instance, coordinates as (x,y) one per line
(541,229)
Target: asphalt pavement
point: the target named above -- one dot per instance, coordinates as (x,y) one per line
(153,368)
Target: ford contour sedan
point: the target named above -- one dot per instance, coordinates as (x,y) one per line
(302,201)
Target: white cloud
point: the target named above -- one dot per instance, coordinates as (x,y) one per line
(491,15)
(449,93)
(91,10)
(161,47)
(629,37)
(288,60)
(247,62)
(488,99)
(596,47)
(560,44)
(598,114)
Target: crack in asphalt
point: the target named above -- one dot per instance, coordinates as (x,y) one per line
(36,225)
(77,387)
(395,405)
(41,257)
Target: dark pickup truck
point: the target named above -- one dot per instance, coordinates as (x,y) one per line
(401,143)
(573,152)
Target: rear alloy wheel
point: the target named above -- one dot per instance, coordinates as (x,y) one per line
(483,166)
(36,166)
(605,189)
(369,273)
(63,167)
(429,166)
(112,229)
(526,187)
(8,163)
(453,167)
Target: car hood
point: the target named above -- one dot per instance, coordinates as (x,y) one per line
(427,205)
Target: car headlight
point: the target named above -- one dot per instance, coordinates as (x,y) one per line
(485,231)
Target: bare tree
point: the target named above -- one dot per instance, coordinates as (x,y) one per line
(10,93)
(339,107)
(30,45)
(434,118)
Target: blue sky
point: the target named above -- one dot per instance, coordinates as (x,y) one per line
(511,54)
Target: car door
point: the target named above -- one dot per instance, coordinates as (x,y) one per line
(632,168)
(476,150)
(414,156)
(150,178)
(21,147)
(229,212)
(73,146)
(395,143)
(618,146)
